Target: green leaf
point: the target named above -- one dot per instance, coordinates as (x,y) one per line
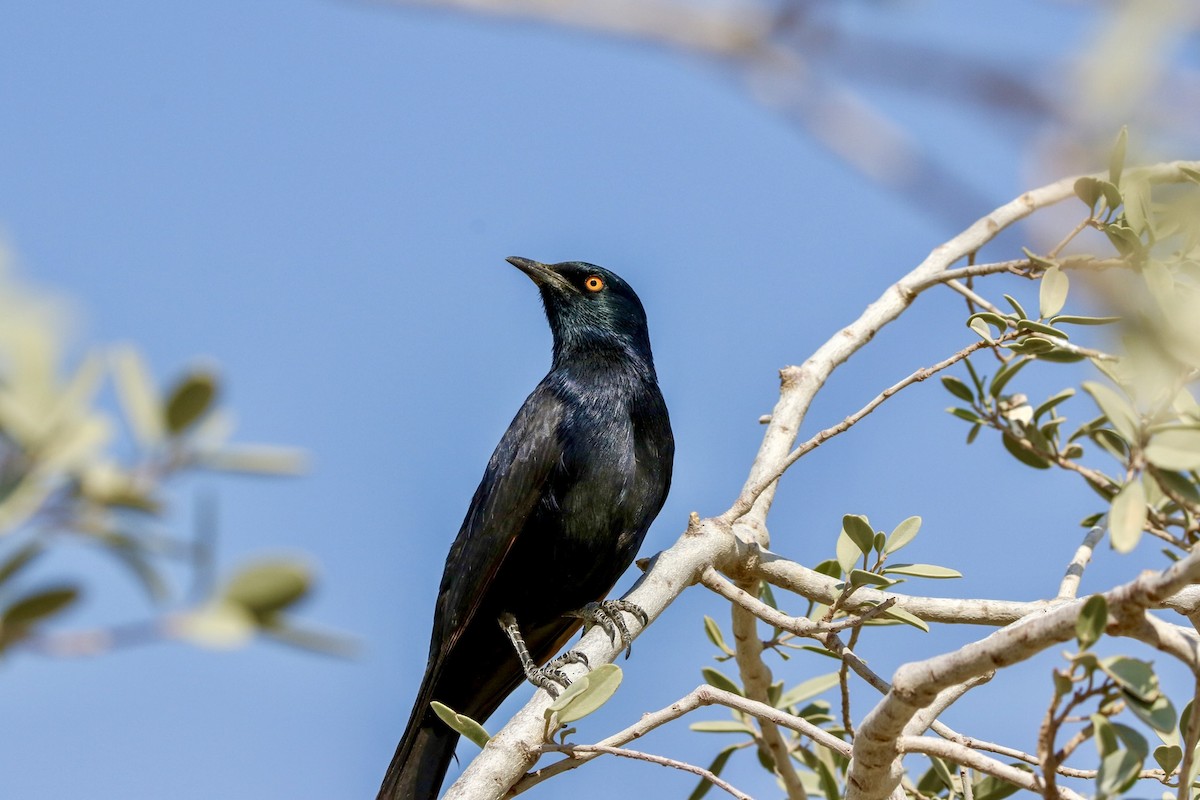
(24,555)
(1133,740)
(309,639)
(1026,457)
(1039,327)
(1039,261)
(1116,161)
(848,553)
(1118,771)
(594,690)
(902,534)
(1116,408)
(1088,190)
(1031,346)
(1005,374)
(907,618)
(971,434)
(722,726)
(1179,484)
(829,567)
(189,400)
(981,328)
(1112,195)
(1052,294)
(1092,620)
(861,577)
(965,413)
(1052,402)
(808,689)
(715,768)
(974,376)
(1159,715)
(957,388)
(461,723)
(713,632)
(1069,319)
(139,397)
(716,678)
(860,532)
(922,571)
(1176,448)
(1107,742)
(1127,517)
(944,772)
(217,625)
(267,587)
(1168,756)
(990,788)
(1133,676)
(1012,301)
(37,606)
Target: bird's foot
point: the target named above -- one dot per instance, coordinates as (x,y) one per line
(607,614)
(549,677)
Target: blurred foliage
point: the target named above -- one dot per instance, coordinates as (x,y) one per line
(68,476)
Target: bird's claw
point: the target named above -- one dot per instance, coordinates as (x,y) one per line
(607,614)
(550,676)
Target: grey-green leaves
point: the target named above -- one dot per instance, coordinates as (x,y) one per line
(586,694)
(1127,517)
(1092,619)
(462,724)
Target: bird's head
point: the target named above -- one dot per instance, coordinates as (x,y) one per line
(590,309)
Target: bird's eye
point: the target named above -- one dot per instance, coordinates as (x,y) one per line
(593,283)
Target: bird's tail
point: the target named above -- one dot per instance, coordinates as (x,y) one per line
(423,755)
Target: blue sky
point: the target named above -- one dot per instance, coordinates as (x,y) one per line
(319,196)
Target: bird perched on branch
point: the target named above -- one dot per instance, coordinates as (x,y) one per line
(563,506)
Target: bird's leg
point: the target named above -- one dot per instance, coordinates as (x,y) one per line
(542,677)
(607,614)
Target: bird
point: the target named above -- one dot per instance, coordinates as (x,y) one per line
(563,506)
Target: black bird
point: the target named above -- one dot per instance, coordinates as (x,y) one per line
(563,506)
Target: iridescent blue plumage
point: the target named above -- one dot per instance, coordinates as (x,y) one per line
(563,506)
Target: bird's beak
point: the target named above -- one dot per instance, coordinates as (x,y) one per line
(539,273)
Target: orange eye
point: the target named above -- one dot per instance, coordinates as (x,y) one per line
(594,283)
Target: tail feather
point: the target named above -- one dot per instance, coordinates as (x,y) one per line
(423,755)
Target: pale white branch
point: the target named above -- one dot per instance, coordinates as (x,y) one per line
(875,768)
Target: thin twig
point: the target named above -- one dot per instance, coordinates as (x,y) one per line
(572,749)
(973,299)
(751,494)
(703,695)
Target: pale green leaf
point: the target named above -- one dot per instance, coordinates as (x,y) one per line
(808,689)
(922,571)
(1175,448)
(1092,620)
(1127,517)
(461,723)
(599,685)
(903,533)
(1052,295)
(1116,408)
(139,396)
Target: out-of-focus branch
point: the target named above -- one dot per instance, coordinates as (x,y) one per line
(706,30)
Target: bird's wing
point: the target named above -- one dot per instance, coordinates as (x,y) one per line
(513,484)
